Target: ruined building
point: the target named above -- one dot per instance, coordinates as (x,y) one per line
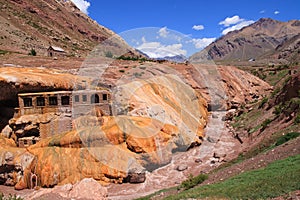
(64,105)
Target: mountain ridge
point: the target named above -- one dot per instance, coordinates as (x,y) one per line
(260,40)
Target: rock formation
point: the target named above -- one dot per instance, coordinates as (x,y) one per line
(153,117)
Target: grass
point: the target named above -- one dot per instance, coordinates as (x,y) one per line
(193,181)
(278,178)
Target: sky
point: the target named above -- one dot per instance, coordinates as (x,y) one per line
(172,27)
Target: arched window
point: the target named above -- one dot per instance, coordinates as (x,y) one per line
(95,98)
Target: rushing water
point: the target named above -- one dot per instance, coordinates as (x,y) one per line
(220,140)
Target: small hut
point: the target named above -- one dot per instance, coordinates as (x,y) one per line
(53,51)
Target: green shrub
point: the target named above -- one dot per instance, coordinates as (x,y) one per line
(193,181)
(287,137)
(122,70)
(263,102)
(265,124)
(3,52)
(32,52)
(108,54)
(278,109)
(276,91)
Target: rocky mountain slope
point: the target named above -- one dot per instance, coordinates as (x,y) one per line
(264,39)
(26,25)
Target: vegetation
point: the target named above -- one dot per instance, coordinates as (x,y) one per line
(193,181)
(10,197)
(122,70)
(283,139)
(265,124)
(132,58)
(278,178)
(263,102)
(32,52)
(3,52)
(109,54)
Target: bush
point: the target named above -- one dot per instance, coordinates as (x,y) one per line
(32,52)
(108,54)
(265,124)
(287,137)
(278,109)
(193,181)
(122,70)
(263,102)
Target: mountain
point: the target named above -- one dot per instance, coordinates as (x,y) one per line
(27,24)
(176,58)
(264,39)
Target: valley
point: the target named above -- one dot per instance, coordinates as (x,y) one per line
(86,114)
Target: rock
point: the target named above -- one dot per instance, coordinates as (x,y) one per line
(219,155)
(6,132)
(214,116)
(211,140)
(181,167)
(88,188)
(136,176)
(198,160)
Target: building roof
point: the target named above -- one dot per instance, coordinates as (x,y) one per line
(61,92)
(57,48)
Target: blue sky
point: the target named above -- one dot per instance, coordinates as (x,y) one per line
(197,22)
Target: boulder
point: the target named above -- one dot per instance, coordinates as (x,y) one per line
(181,167)
(88,188)
(136,176)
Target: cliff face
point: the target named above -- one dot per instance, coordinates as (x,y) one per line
(265,39)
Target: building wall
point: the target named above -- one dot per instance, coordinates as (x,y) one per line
(53,53)
(78,106)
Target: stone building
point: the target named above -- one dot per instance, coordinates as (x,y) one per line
(66,105)
(53,51)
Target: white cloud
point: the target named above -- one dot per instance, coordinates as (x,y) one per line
(82,5)
(262,11)
(237,26)
(276,12)
(158,50)
(198,27)
(163,32)
(202,42)
(231,20)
